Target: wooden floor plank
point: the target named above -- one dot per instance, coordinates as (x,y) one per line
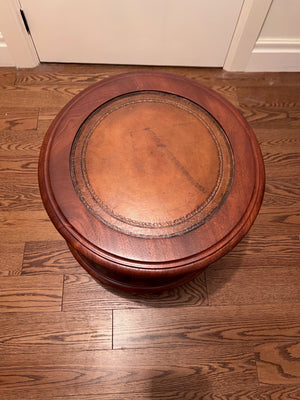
(21,143)
(285,222)
(261,79)
(275,96)
(280,149)
(277,107)
(259,116)
(286,139)
(81,292)
(20,195)
(282,215)
(278,362)
(7,76)
(282,164)
(48,257)
(281,194)
(253,285)
(148,328)
(62,74)
(11,167)
(267,250)
(47,115)
(25,226)
(15,119)
(262,392)
(70,76)
(18,170)
(28,293)
(11,258)
(34,332)
(38,96)
(66,74)
(130,371)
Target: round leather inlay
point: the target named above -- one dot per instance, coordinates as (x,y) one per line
(151,164)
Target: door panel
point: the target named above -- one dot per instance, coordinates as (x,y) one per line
(153,32)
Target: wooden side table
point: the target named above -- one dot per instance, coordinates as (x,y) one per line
(150,177)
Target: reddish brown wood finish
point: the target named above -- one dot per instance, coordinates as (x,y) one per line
(150,177)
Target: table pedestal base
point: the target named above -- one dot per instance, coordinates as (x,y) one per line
(129,283)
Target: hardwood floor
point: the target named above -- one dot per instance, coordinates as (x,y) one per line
(232,333)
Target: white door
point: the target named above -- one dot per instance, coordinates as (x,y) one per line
(153,32)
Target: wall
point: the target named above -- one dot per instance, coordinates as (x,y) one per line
(5,57)
(283,20)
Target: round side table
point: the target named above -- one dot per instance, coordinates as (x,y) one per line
(150,177)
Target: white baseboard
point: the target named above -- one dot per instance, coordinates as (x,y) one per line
(275,55)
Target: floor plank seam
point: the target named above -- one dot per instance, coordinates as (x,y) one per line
(21,270)
(255,360)
(112,329)
(38,118)
(62,294)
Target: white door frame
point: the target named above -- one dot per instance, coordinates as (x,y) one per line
(247,30)
(18,41)
(249,25)
(251,19)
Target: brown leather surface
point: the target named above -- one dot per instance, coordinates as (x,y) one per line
(151,164)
